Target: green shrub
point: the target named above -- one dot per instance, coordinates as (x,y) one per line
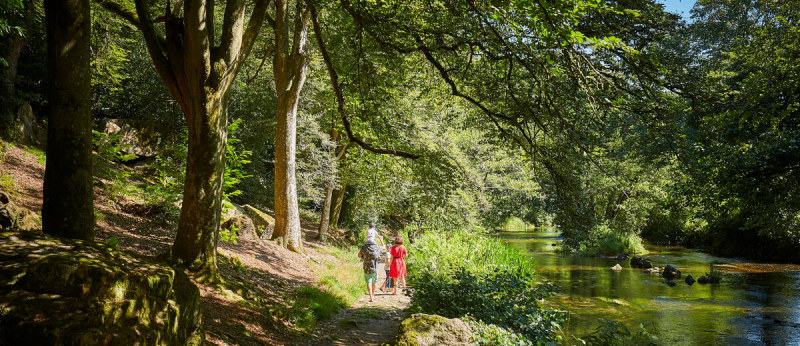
(110,150)
(492,335)
(508,299)
(229,235)
(441,253)
(514,224)
(614,333)
(610,242)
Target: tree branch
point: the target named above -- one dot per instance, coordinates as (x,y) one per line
(232,29)
(340,98)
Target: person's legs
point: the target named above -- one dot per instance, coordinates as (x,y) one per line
(371,280)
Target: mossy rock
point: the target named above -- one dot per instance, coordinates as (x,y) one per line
(81,293)
(429,330)
(264,223)
(16,218)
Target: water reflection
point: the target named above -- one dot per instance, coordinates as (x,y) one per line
(756,304)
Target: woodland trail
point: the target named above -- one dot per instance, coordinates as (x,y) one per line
(365,323)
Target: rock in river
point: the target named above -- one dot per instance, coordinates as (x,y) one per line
(671,273)
(689,279)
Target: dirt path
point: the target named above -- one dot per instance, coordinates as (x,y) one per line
(365,323)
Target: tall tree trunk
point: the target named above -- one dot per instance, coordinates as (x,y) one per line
(199,74)
(336,207)
(289,67)
(324,221)
(67,209)
(287,216)
(196,240)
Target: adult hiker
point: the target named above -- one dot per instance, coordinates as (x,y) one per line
(370,254)
(398,270)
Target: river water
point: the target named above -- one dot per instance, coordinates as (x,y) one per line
(755,304)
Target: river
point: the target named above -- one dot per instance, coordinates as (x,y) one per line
(755,304)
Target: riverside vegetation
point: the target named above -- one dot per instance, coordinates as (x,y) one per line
(619,123)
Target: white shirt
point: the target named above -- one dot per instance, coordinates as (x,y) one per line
(371,233)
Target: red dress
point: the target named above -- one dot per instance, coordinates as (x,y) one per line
(398,269)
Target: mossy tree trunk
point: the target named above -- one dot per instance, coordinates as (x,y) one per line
(199,73)
(67,209)
(290,66)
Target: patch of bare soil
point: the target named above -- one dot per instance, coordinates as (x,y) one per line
(256,274)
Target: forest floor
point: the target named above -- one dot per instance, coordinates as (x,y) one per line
(258,276)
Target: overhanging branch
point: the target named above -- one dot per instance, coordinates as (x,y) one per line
(340,98)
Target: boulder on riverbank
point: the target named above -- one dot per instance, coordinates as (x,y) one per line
(639,262)
(57,292)
(429,330)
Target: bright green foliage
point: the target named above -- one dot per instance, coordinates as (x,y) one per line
(235,160)
(442,252)
(514,224)
(508,299)
(468,273)
(309,305)
(492,335)
(113,243)
(611,243)
(229,235)
(110,151)
(169,171)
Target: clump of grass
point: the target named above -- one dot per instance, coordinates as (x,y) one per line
(113,243)
(309,304)
(339,286)
(344,279)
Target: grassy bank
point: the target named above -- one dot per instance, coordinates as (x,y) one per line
(338,286)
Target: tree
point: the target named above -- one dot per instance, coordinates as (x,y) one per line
(67,209)
(290,68)
(198,69)
(16,22)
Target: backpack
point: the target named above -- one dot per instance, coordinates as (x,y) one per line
(371,254)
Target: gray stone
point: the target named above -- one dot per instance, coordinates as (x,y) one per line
(28,129)
(16,218)
(264,223)
(142,138)
(429,330)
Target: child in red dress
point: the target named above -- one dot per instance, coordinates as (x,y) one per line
(398,270)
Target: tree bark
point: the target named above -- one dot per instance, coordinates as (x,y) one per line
(196,241)
(290,68)
(67,209)
(324,221)
(199,76)
(336,207)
